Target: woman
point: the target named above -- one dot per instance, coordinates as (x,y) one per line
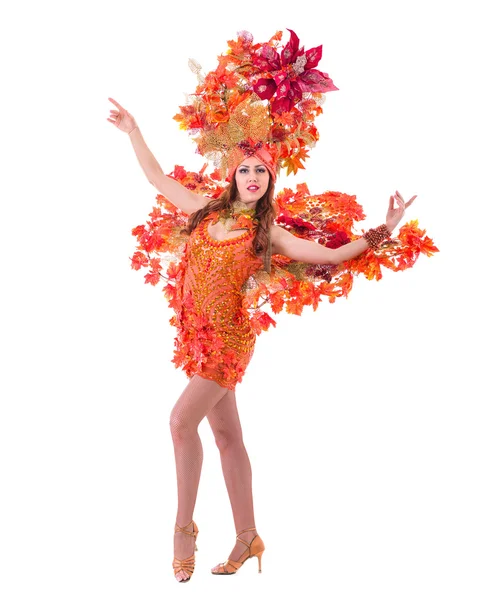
(247,203)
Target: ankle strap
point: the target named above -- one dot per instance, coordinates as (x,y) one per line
(248,544)
(183,529)
(250,529)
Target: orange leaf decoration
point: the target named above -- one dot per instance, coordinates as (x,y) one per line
(328,219)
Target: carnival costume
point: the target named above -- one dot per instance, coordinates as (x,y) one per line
(261,100)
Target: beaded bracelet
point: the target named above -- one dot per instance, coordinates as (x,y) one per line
(376,236)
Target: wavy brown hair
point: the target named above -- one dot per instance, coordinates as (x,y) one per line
(265,213)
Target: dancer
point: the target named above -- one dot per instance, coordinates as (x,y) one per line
(229,241)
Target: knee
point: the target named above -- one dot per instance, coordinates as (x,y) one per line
(225,439)
(180,427)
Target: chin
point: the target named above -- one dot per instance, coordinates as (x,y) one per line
(253,197)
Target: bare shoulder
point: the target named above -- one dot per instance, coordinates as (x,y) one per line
(183,198)
(278,235)
(202,201)
(195,202)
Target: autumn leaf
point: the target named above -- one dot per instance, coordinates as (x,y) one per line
(427,247)
(302,188)
(152,278)
(138,260)
(294,306)
(277,301)
(138,231)
(261,321)
(294,163)
(155,264)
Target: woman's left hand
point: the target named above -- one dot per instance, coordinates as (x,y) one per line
(394,215)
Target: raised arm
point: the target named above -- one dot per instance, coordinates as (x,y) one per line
(287,244)
(181,197)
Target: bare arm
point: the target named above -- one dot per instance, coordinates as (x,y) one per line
(307,251)
(182,198)
(287,244)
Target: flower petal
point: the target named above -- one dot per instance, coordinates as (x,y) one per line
(313,57)
(283,89)
(290,51)
(315,81)
(265,88)
(281,76)
(296,93)
(267,59)
(280,105)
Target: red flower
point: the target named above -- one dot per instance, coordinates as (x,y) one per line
(292,73)
(339,238)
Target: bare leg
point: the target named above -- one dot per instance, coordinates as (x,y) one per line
(198,398)
(225,423)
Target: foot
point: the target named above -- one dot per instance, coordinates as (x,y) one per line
(239,548)
(184,547)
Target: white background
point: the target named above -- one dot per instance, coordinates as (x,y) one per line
(360,419)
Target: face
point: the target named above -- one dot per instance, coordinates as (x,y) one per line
(252,179)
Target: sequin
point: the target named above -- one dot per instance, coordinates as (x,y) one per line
(214,335)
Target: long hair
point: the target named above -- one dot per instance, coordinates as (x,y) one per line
(265,213)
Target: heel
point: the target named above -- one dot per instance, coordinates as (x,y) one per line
(259,555)
(254,548)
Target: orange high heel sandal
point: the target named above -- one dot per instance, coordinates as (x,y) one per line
(255,548)
(187,564)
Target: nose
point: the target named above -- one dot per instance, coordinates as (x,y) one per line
(253,177)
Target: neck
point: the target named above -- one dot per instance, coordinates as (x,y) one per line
(239,211)
(240,207)
(241,203)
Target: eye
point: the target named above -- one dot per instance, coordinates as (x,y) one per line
(243,170)
(261,170)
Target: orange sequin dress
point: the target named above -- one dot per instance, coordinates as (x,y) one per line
(215,339)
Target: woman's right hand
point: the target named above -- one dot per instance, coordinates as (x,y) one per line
(122,118)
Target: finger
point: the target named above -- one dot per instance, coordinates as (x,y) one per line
(409,202)
(391,203)
(399,195)
(116,104)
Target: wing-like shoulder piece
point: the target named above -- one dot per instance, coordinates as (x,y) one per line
(161,240)
(328,219)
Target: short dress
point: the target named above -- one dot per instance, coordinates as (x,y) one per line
(214,337)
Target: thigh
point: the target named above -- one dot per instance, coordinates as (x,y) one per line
(197,400)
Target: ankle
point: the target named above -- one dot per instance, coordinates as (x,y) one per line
(247,535)
(189,527)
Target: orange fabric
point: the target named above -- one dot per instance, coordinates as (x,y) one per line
(215,339)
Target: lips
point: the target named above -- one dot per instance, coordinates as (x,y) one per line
(253,188)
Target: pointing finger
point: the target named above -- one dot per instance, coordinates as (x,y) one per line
(116,103)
